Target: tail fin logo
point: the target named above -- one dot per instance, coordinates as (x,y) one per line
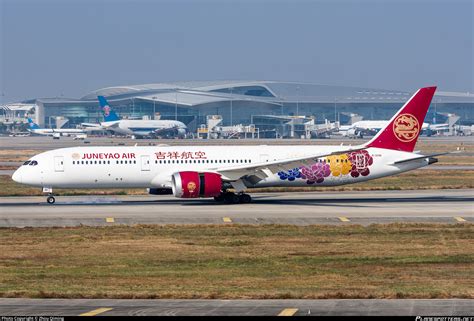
(106,110)
(406,128)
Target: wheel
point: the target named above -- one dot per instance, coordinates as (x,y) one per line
(50,200)
(231,198)
(219,198)
(245,198)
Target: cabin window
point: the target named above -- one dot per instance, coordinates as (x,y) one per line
(26,163)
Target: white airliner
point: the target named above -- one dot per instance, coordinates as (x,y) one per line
(210,171)
(136,127)
(56,133)
(367,127)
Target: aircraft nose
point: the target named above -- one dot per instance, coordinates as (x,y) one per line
(17,176)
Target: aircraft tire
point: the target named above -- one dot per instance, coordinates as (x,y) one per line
(231,198)
(245,198)
(50,200)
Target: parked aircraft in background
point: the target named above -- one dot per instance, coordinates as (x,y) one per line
(136,127)
(55,133)
(210,171)
(367,128)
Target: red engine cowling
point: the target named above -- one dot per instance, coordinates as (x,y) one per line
(194,184)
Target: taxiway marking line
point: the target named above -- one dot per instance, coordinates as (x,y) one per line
(110,220)
(95,312)
(459,219)
(287,312)
(227,220)
(344,219)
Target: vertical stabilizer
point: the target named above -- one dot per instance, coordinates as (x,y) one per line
(109,114)
(402,131)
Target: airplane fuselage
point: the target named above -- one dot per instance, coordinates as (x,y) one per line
(142,127)
(153,166)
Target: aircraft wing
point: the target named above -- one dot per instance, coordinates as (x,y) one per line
(110,125)
(165,130)
(259,170)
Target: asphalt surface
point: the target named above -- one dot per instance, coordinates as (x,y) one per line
(429,206)
(110,307)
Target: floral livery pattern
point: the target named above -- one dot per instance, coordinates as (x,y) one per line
(291,175)
(356,164)
(340,164)
(360,161)
(315,173)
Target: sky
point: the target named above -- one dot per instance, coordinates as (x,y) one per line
(51,48)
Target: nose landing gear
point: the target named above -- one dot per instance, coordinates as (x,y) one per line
(50,199)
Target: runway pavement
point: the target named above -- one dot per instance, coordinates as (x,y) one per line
(110,307)
(430,206)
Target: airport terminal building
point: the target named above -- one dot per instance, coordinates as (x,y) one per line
(244,102)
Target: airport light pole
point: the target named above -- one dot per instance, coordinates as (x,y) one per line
(176,105)
(335,110)
(154,107)
(297,101)
(231,107)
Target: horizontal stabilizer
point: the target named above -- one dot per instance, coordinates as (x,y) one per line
(421,157)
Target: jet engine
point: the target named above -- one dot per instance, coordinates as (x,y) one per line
(194,184)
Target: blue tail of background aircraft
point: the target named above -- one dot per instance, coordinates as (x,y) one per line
(109,114)
(32,124)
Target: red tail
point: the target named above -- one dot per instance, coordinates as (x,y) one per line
(404,128)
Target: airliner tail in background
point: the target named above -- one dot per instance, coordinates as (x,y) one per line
(107,111)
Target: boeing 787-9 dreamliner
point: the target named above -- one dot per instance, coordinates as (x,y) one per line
(225,172)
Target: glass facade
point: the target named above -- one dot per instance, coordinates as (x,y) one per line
(191,106)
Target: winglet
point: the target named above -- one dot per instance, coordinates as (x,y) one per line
(402,131)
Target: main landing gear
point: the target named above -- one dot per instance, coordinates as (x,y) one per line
(232,198)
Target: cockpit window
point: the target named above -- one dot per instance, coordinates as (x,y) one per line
(33,163)
(26,163)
